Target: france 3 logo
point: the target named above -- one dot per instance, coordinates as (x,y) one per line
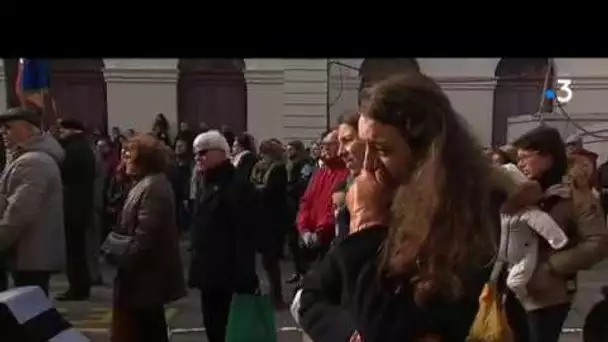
(563,94)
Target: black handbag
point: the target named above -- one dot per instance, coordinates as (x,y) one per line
(115,245)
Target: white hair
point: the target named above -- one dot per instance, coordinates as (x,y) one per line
(211,140)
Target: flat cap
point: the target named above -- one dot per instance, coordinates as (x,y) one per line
(31,115)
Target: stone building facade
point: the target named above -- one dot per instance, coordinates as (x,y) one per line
(299,98)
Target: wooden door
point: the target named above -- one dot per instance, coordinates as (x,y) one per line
(213,91)
(78,88)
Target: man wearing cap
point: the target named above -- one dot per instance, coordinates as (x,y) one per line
(31,211)
(78,175)
(223,234)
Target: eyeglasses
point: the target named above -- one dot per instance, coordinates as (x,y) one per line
(202,153)
(527,156)
(126,154)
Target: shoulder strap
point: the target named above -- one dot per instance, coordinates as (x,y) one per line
(503,240)
(501,255)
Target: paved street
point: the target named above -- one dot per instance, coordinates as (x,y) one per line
(93,318)
(589,285)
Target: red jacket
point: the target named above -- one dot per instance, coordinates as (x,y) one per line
(316,213)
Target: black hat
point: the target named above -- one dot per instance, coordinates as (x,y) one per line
(31,115)
(71,124)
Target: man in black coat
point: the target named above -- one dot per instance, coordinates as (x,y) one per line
(223,234)
(299,169)
(78,176)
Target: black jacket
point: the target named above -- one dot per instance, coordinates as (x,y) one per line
(345,293)
(223,231)
(245,166)
(78,177)
(298,174)
(270,180)
(181,174)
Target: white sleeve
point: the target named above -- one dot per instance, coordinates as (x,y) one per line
(545,226)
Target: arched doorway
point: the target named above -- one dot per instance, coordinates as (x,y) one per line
(373,70)
(518,92)
(212,91)
(78,87)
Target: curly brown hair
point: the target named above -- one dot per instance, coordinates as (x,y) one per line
(271,148)
(150,154)
(441,214)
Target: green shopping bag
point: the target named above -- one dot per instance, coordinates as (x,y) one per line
(251,319)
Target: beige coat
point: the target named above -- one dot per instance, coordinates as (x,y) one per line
(31,207)
(580,215)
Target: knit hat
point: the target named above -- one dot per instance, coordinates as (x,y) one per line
(591,156)
(210,140)
(585,153)
(575,140)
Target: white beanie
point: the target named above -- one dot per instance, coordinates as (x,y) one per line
(211,140)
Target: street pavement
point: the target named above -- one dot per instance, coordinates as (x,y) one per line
(94,316)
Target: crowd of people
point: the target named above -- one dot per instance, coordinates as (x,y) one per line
(132,196)
(395,219)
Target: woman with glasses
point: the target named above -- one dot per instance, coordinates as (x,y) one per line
(541,156)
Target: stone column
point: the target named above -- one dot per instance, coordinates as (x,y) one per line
(265,101)
(138,89)
(304,104)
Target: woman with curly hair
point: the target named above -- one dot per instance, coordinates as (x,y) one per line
(424,198)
